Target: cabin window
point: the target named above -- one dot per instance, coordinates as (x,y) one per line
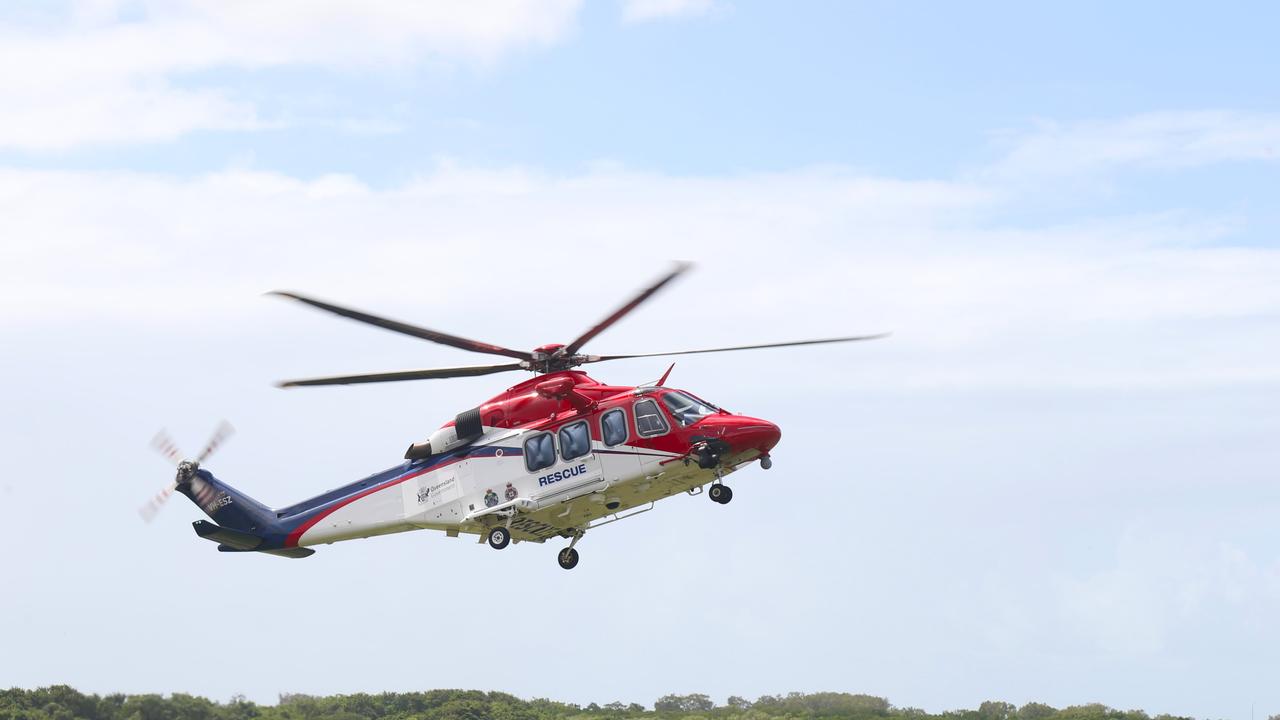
(575,440)
(539,452)
(613,427)
(649,420)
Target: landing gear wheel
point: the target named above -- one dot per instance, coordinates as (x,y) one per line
(568,558)
(720,493)
(499,538)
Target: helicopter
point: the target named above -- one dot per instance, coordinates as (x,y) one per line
(549,458)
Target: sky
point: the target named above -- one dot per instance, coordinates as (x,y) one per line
(1055,482)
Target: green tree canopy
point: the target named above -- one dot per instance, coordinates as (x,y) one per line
(61,702)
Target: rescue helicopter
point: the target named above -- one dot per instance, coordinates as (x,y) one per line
(551,457)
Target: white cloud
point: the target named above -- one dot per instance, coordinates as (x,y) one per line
(1131,301)
(102,75)
(637,11)
(1162,581)
(1153,140)
(58,120)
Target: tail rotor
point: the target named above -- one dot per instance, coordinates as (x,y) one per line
(166,447)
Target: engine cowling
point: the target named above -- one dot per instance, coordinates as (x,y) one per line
(466,429)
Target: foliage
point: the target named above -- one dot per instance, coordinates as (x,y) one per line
(684,703)
(65,703)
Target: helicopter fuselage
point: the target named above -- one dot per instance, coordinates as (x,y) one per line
(553,457)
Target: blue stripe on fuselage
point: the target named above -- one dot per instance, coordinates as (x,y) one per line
(291,518)
(387,476)
(281,523)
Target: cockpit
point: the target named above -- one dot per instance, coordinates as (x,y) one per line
(687,409)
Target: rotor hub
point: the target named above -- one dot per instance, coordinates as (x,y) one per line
(553,358)
(186,470)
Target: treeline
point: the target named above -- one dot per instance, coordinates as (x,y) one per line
(65,703)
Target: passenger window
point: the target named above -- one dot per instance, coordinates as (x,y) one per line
(649,420)
(539,452)
(575,440)
(613,427)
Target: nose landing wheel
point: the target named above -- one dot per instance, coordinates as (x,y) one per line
(720,493)
(568,558)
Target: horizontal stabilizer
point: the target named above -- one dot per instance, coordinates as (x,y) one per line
(282,552)
(292,552)
(234,539)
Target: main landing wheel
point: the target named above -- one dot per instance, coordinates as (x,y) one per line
(568,558)
(499,538)
(720,493)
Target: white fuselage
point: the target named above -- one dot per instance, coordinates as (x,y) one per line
(488,483)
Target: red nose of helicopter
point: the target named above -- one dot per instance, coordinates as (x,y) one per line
(757,434)
(743,433)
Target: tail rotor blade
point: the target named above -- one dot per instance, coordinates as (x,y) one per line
(152,507)
(224,431)
(165,445)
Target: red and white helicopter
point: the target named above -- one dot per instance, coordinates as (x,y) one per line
(552,457)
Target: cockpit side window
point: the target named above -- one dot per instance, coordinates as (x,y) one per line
(575,440)
(649,420)
(613,427)
(539,452)
(685,408)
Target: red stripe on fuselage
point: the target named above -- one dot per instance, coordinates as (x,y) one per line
(292,539)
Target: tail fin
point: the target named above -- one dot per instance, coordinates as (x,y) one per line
(227,506)
(240,523)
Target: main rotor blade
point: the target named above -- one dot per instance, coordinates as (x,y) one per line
(621,312)
(855,338)
(407,329)
(429,374)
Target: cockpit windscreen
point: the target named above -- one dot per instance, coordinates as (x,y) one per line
(687,409)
